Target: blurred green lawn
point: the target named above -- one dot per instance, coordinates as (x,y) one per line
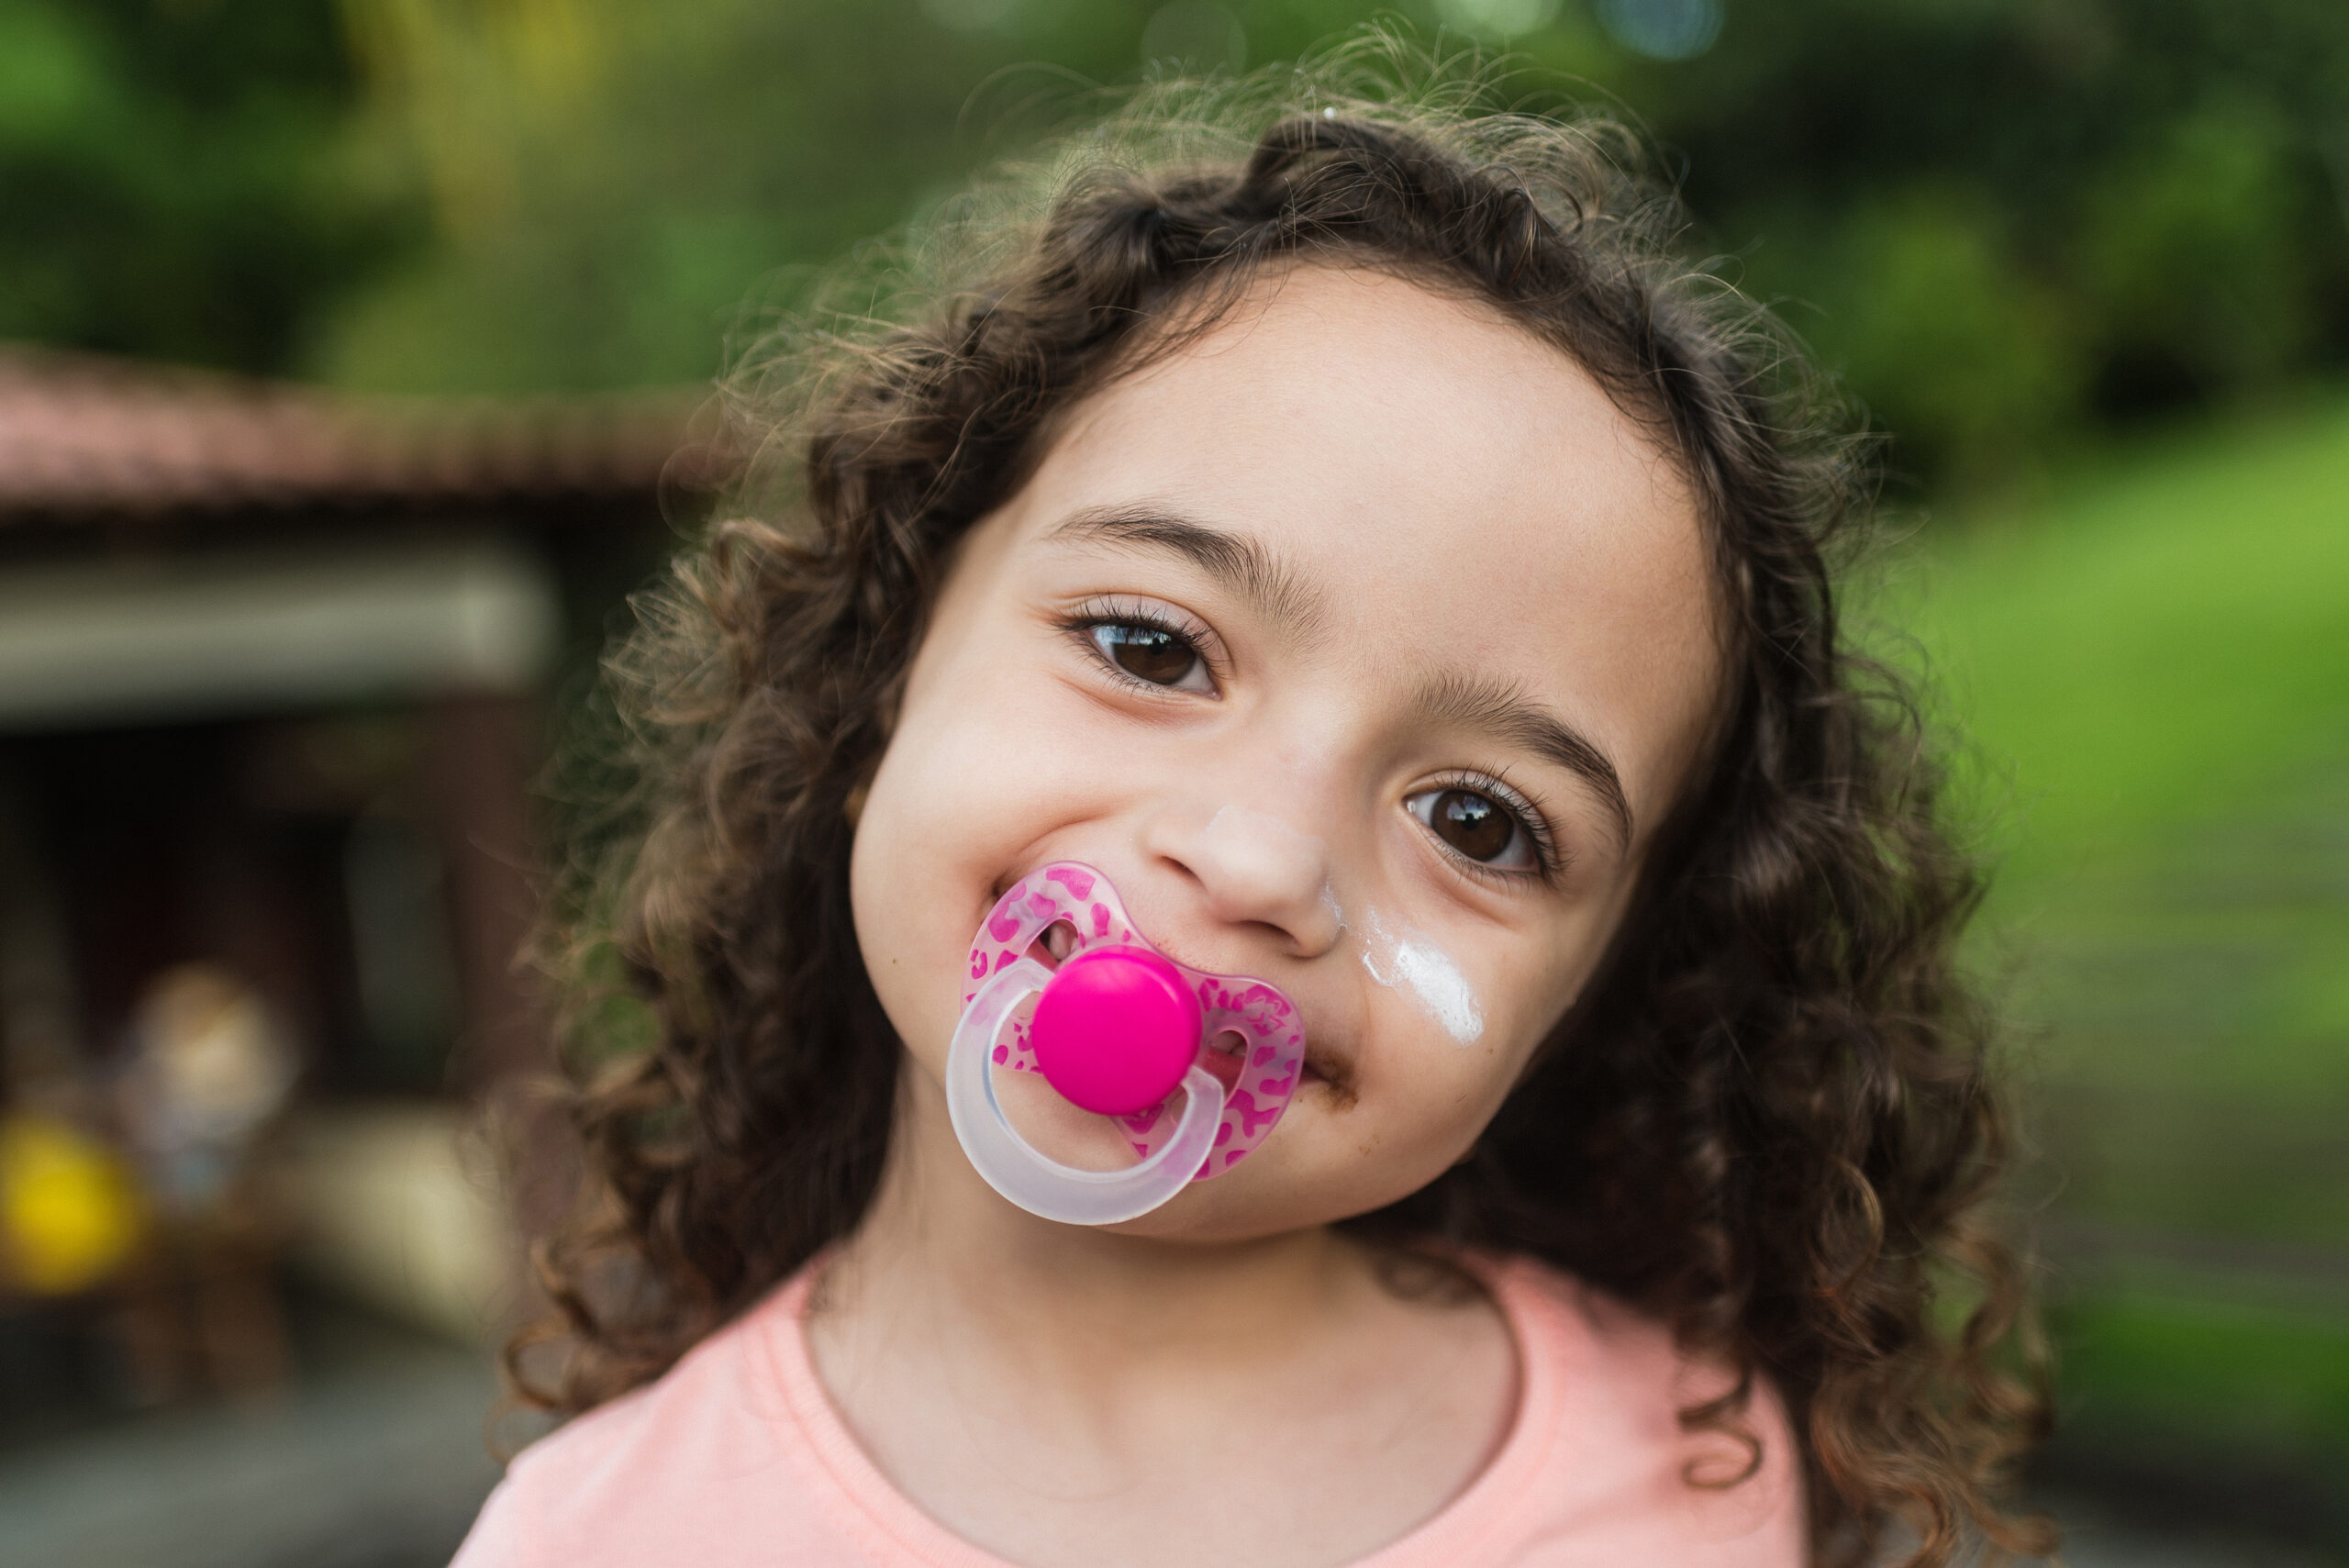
(2152,664)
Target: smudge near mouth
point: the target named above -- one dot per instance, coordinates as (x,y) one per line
(1332,1073)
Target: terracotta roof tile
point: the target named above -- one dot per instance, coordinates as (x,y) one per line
(80,433)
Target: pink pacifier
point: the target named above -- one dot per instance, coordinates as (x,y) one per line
(1119,1030)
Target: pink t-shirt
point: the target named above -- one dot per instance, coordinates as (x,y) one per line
(737,1458)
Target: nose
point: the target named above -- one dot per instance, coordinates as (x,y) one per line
(1254,867)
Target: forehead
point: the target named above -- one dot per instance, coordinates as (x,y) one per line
(1451,492)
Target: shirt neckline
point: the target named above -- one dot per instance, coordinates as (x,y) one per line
(891,1529)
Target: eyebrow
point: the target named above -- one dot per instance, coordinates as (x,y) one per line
(1247,568)
(1498,708)
(1239,563)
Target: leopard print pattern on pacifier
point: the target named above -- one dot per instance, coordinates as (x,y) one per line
(1117,1029)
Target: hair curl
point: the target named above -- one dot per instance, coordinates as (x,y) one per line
(1769,1120)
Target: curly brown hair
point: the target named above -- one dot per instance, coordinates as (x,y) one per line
(1769,1121)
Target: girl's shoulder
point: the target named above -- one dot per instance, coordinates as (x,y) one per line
(1598,1466)
(696,1466)
(1620,1362)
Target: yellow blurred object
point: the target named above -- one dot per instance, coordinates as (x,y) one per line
(70,1213)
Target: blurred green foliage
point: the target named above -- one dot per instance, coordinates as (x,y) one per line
(2163,1379)
(2154,670)
(2153,664)
(2116,209)
(2009,223)
(172,178)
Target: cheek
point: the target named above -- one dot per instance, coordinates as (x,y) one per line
(1433,1092)
(979,775)
(1413,1119)
(914,884)
(1448,1083)
(914,906)
(972,776)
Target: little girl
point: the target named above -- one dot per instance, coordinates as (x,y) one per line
(1315,591)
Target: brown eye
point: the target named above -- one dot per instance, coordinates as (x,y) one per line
(1153,653)
(1477,826)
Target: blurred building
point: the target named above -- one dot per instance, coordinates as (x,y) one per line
(275,667)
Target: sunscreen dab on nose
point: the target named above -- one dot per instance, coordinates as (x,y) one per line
(1404,959)
(1119,1030)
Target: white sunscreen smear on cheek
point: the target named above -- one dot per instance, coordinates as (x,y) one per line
(1403,959)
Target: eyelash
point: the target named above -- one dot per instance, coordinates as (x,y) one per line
(1548,858)
(1094,614)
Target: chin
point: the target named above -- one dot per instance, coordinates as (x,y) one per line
(1275,1192)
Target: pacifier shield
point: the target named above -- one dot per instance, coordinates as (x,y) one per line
(1121,1031)
(1115,1030)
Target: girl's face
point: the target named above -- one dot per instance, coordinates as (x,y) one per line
(1362,643)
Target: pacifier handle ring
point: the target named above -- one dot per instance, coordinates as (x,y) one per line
(1037,1183)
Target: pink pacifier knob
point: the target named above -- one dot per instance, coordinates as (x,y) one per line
(1115,1030)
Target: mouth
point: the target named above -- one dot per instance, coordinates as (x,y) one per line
(1052,945)
(1326,1069)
